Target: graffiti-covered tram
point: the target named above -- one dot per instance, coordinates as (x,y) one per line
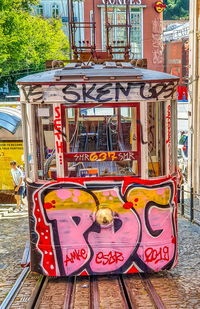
(100,157)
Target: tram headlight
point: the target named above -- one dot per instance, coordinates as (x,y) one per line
(104,216)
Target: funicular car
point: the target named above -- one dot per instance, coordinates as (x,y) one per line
(100,152)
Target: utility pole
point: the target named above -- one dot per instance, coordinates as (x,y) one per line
(194,97)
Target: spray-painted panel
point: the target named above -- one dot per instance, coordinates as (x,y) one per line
(66,238)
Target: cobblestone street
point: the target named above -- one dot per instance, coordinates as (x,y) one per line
(13,237)
(183,281)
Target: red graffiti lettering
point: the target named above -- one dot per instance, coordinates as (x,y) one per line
(59,147)
(110,258)
(57,111)
(168,141)
(168,117)
(57,124)
(58,135)
(153,255)
(57,131)
(76,255)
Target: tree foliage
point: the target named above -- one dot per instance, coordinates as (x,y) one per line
(25,5)
(26,41)
(176,9)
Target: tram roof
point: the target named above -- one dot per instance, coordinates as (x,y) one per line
(96,73)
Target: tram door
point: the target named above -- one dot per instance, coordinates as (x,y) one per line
(101,141)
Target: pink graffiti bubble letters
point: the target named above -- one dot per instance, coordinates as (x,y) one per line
(71,241)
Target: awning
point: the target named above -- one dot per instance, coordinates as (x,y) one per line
(10,119)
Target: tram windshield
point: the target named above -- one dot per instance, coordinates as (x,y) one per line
(102,141)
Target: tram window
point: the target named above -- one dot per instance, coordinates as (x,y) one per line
(156,139)
(103,140)
(174,142)
(27,121)
(161,138)
(97,111)
(45,142)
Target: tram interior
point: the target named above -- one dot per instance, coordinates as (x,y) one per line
(103,130)
(91,135)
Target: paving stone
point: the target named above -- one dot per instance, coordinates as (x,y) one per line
(13,237)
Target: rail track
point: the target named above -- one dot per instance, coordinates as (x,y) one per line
(113,292)
(95,292)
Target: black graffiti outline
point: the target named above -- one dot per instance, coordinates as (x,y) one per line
(65,91)
(102,90)
(141,133)
(31,94)
(95,227)
(56,239)
(141,264)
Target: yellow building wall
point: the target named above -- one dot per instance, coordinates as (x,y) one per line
(9,150)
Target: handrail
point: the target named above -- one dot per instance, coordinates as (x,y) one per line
(192,209)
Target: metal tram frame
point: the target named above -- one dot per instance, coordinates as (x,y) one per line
(100,153)
(86,50)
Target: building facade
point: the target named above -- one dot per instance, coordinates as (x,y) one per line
(146,25)
(194,97)
(176,55)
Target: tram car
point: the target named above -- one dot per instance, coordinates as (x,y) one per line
(100,149)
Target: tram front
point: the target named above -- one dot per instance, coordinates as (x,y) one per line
(100,154)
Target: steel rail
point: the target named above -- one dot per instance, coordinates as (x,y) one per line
(127,292)
(70,291)
(94,293)
(36,292)
(38,296)
(15,289)
(127,304)
(155,298)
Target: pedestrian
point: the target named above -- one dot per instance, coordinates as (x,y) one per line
(18,183)
(180,181)
(24,178)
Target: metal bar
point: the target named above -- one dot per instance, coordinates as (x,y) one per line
(15,289)
(25,138)
(182,201)
(187,191)
(114,52)
(80,27)
(127,292)
(191,205)
(70,28)
(152,292)
(33,143)
(119,25)
(107,27)
(26,255)
(127,25)
(81,22)
(196,194)
(122,291)
(129,29)
(118,47)
(73,41)
(41,293)
(94,26)
(69,298)
(33,299)
(94,295)
(83,47)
